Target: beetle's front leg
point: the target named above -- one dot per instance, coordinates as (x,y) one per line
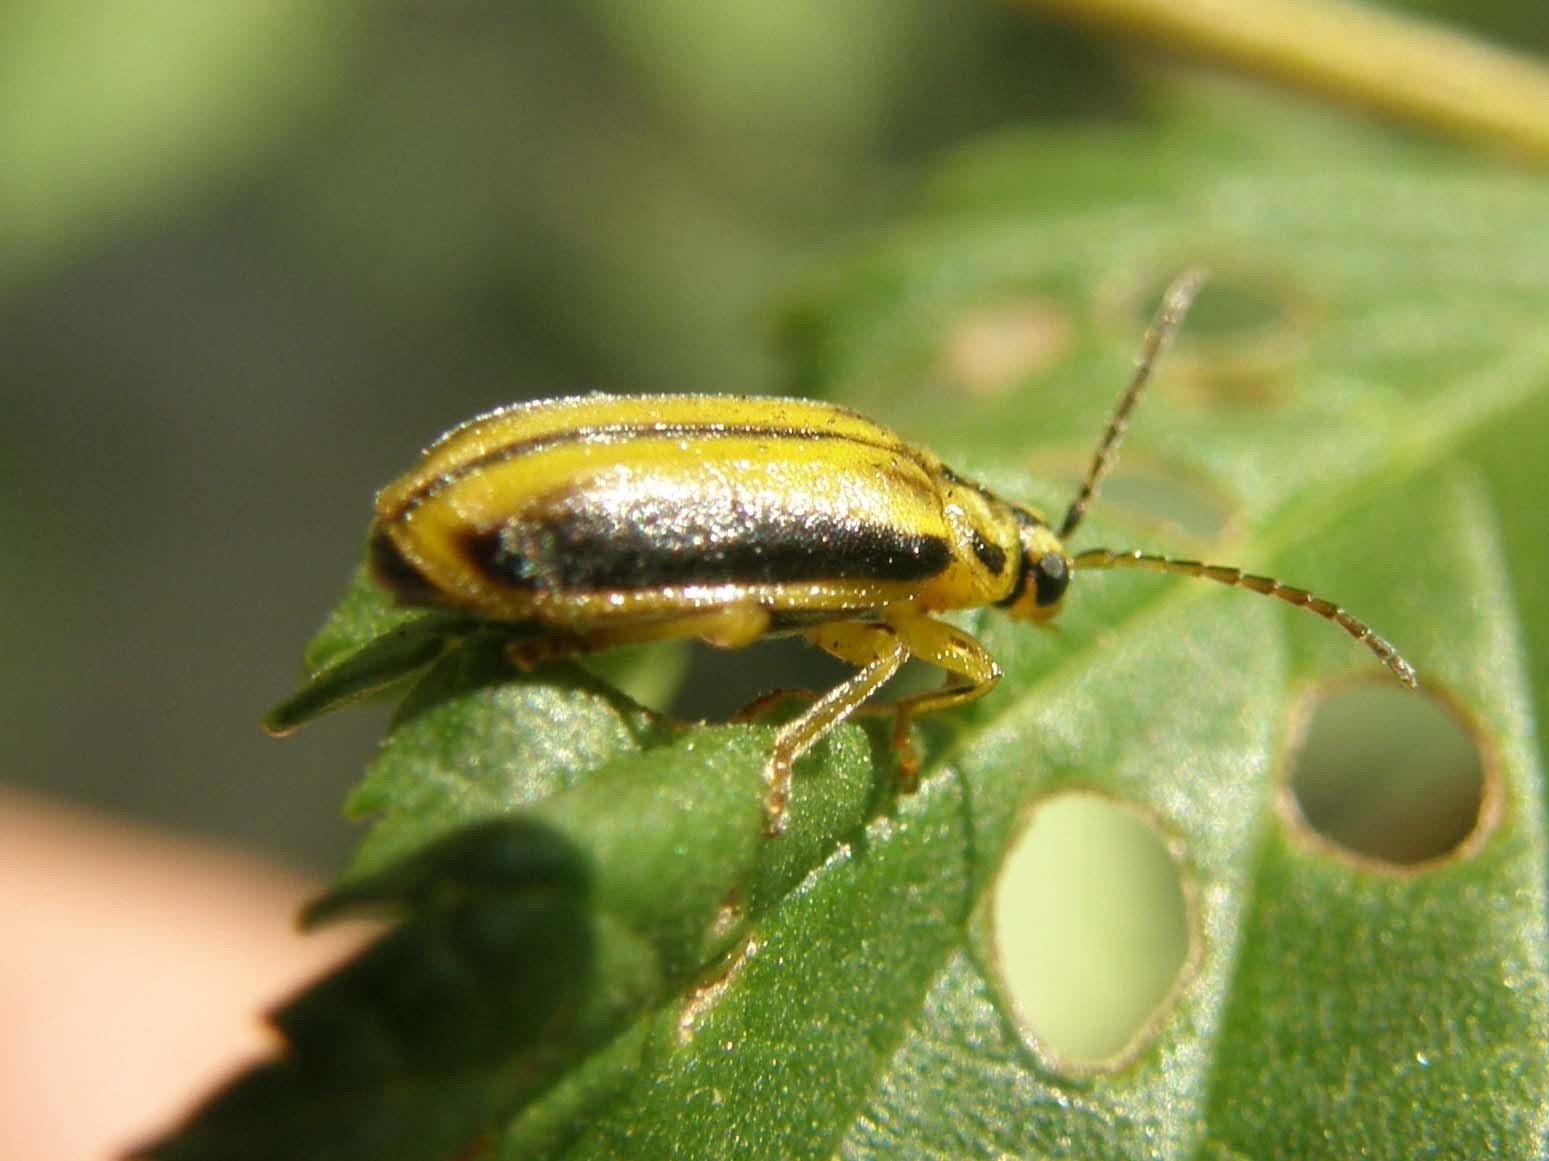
(946,648)
(880,653)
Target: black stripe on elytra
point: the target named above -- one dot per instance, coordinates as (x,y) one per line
(581,552)
(617,433)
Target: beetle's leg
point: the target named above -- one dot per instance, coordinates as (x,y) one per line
(729,627)
(880,653)
(946,648)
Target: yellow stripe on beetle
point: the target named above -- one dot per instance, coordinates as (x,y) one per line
(603,521)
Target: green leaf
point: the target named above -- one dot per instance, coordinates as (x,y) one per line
(364,615)
(1362,395)
(528,940)
(367,646)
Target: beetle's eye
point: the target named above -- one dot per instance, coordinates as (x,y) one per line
(1051,575)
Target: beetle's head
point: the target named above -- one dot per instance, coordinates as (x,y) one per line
(1043,570)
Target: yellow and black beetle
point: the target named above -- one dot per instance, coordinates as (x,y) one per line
(611,520)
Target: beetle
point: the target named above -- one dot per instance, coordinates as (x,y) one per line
(600,521)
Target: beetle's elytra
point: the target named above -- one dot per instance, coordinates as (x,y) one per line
(611,520)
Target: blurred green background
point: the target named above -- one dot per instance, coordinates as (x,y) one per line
(255,253)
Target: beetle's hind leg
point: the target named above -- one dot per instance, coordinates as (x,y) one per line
(963,658)
(879,652)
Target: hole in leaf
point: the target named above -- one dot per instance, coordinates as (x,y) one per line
(1387,774)
(1248,326)
(1089,929)
(991,347)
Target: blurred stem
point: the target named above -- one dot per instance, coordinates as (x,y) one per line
(1364,56)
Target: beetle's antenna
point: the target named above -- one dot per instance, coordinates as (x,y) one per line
(1175,304)
(1269,587)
